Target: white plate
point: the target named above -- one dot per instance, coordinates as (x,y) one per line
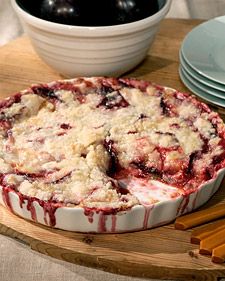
(198,92)
(204,49)
(200,78)
(210,91)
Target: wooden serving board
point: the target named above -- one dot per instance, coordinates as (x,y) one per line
(162,252)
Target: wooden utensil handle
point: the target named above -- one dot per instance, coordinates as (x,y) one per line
(200,217)
(209,243)
(198,235)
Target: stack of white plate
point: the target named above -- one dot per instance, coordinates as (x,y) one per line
(202,61)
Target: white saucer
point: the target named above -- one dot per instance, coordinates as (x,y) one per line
(200,78)
(198,92)
(209,90)
(204,49)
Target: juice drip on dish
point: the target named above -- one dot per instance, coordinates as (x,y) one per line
(102,218)
(6,198)
(148,210)
(31,208)
(30,205)
(183,207)
(102,222)
(89,214)
(49,208)
(113,228)
(195,200)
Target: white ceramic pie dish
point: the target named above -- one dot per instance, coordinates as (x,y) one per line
(137,218)
(172,203)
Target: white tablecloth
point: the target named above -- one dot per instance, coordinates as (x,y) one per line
(19,263)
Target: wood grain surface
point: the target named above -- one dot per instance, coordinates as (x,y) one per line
(163,252)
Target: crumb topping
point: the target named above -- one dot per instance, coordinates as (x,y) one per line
(107,143)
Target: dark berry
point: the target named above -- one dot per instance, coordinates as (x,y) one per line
(113,100)
(61,11)
(45,92)
(114,161)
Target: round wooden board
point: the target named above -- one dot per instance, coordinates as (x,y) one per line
(161,253)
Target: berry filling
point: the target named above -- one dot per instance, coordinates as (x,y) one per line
(45,92)
(113,166)
(10,101)
(112,99)
(65,126)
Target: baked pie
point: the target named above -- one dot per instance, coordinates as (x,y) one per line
(105,147)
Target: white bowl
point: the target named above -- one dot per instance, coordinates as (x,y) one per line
(92,51)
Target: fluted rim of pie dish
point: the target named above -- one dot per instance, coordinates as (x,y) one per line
(164,212)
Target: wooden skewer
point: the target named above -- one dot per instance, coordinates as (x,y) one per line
(211,242)
(199,234)
(200,217)
(218,254)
